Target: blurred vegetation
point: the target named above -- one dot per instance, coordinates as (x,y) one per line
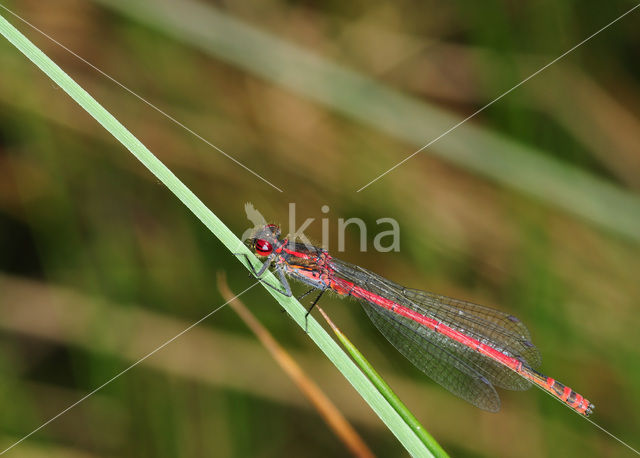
(100,265)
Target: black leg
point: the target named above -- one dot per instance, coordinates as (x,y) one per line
(283,280)
(306,316)
(259,272)
(282,289)
(305,294)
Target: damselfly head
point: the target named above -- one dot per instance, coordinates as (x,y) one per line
(264,240)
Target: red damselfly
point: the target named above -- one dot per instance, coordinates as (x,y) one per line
(467,348)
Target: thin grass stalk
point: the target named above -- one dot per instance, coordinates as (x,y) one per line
(329,347)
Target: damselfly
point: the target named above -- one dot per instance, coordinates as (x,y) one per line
(467,348)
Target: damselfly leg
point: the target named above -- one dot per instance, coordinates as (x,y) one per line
(283,288)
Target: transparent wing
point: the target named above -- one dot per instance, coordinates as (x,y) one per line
(497,329)
(423,348)
(500,330)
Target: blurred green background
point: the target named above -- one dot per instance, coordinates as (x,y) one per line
(531,207)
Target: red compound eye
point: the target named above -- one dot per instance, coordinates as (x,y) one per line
(263,247)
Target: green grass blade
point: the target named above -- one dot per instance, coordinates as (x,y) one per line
(472,147)
(328,346)
(386,391)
